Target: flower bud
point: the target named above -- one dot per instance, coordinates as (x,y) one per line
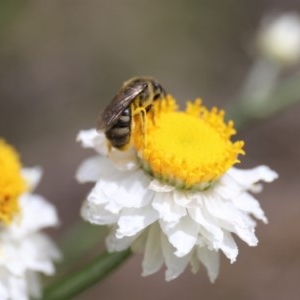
(279,38)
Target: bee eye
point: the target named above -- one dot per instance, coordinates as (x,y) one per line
(157,85)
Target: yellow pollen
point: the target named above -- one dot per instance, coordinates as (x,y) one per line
(190,149)
(12,184)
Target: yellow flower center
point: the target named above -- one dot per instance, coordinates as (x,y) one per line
(12,184)
(190,149)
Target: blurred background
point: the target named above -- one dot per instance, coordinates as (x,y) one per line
(62,61)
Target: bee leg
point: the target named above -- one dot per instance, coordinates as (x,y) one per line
(144,125)
(142,115)
(151,112)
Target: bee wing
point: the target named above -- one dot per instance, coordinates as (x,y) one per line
(110,115)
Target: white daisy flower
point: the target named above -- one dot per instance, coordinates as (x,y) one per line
(174,195)
(24,250)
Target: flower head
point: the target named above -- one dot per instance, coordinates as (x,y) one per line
(190,156)
(175,194)
(25,251)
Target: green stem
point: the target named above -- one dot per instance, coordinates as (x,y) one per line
(88,235)
(282,96)
(89,275)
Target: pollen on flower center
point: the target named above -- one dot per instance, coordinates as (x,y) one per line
(190,149)
(12,184)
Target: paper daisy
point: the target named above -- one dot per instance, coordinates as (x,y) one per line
(174,195)
(24,250)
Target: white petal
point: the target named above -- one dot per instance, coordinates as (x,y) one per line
(86,137)
(91,169)
(3,289)
(247,178)
(91,138)
(12,257)
(97,214)
(99,202)
(124,160)
(231,219)
(212,232)
(39,264)
(229,247)
(18,288)
(132,221)
(114,244)
(175,265)
(227,187)
(36,214)
(97,167)
(210,259)
(135,193)
(187,199)
(183,236)
(34,284)
(105,190)
(167,209)
(153,257)
(159,186)
(32,176)
(249,204)
(127,189)
(40,257)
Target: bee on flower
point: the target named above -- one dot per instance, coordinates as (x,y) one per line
(25,252)
(175,193)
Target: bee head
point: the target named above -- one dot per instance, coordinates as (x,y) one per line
(158,91)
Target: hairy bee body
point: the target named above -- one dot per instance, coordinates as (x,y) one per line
(135,97)
(119,134)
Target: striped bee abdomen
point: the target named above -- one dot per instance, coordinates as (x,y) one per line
(119,134)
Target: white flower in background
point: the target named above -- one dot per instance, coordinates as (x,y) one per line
(174,195)
(279,38)
(24,250)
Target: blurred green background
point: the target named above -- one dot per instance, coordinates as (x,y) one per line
(62,61)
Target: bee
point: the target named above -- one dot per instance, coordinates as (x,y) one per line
(136,97)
